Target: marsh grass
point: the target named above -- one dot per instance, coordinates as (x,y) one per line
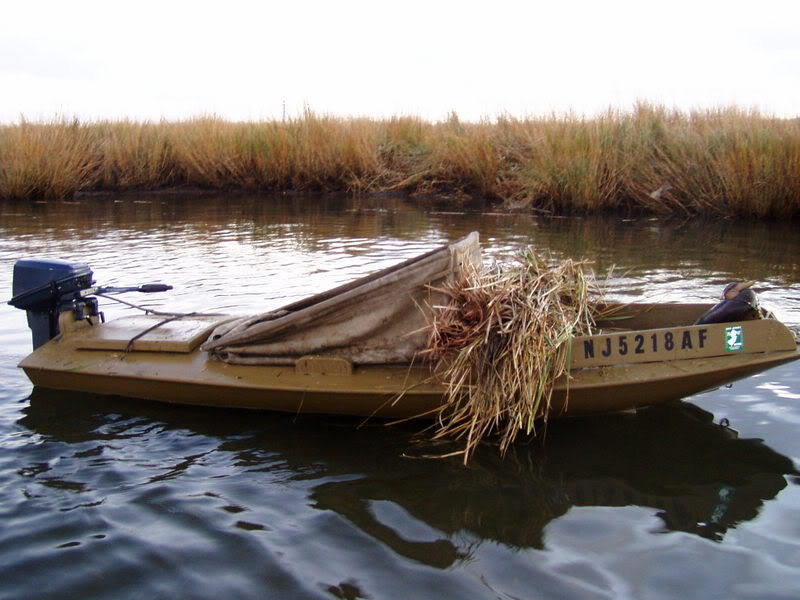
(46,160)
(502,341)
(724,162)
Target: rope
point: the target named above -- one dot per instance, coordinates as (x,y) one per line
(149,311)
(129,345)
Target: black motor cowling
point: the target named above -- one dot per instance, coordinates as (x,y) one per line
(46,287)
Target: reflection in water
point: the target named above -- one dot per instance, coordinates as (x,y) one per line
(119,498)
(325,241)
(698,476)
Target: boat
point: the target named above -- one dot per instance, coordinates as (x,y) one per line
(352,350)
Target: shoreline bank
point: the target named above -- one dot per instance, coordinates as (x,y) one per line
(727,163)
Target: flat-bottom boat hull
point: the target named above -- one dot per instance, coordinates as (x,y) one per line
(186,375)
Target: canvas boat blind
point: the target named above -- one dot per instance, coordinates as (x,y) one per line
(377,319)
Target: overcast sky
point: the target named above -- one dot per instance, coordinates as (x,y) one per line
(246,60)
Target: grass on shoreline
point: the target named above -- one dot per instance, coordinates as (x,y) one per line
(726,162)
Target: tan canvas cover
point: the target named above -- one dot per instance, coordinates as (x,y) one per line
(377,319)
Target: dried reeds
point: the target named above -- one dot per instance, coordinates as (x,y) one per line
(501,343)
(726,162)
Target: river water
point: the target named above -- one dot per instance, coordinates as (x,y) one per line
(116,498)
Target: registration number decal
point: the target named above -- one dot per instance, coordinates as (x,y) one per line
(646,343)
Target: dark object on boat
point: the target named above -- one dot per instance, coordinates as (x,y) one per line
(46,288)
(739,303)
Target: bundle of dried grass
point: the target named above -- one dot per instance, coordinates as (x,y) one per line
(503,340)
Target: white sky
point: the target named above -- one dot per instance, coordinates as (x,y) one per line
(243,60)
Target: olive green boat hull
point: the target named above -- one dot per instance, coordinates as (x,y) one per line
(654,358)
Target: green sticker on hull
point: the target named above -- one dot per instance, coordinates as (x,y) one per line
(734,338)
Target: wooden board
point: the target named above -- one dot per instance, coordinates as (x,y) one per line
(180,335)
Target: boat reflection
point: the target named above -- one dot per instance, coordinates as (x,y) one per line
(697,476)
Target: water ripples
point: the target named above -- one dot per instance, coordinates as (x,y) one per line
(109,497)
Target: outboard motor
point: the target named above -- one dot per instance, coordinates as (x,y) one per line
(45,288)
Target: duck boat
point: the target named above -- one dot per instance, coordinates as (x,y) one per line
(353,350)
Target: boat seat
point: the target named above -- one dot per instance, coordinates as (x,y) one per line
(150,333)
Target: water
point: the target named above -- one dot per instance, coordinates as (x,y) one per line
(116,498)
